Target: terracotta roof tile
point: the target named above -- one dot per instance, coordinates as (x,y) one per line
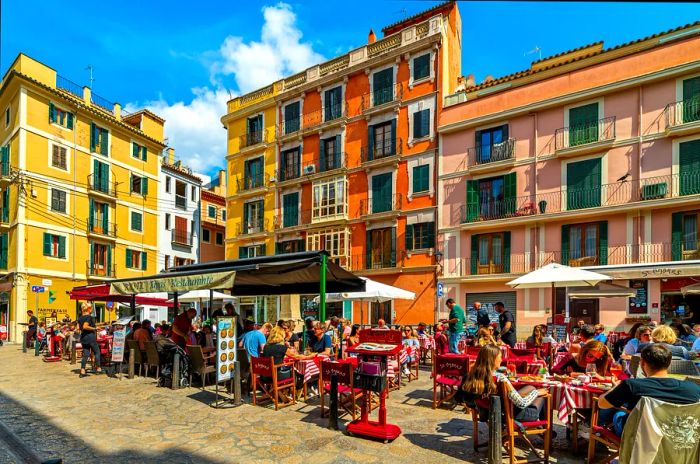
(386,30)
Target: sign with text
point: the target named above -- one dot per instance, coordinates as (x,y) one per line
(211,280)
(118,343)
(638,303)
(225,348)
(38,289)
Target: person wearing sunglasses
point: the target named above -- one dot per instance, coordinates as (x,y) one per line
(642,336)
(600,333)
(593,352)
(409,338)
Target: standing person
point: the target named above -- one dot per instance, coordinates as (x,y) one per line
(482,316)
(507,323)
(182,327)
(32,326)
(456,322)
(88,338)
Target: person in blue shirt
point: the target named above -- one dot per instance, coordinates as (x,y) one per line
(254,341)
(696,343)
(319,341)
(600,333)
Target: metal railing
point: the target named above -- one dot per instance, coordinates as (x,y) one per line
(100,270)
(595,131)
(102,185)
(312,119)
(296,170)
(181,201)
(328,212)
(181,237)
(383,149)
(682,112)
(483,154)
(5,169)
(252,138)
(253,226)
(383,95)
(381,204)
(69,86)
(99,227)
(375,260)
(567,199)
(101,102)
(252,182)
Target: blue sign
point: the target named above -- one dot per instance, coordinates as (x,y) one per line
(440,289)
(38,289)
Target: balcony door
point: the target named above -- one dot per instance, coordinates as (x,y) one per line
(98,219)
(489,144)
(100,260)
(381,193)
(689,167)
(585,244)
(691,100)
(383,86)
(254,134)
(381,248)
(253,173)
(583,184)
(583,124)
(180,233)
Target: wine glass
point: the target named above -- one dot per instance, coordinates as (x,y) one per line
(591,370)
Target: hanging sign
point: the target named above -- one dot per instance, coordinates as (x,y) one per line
(208,281)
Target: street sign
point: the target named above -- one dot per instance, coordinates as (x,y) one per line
(38,289)
(46,282)
(440,289)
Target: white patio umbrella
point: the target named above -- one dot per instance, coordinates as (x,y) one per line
(558,275)
(374,292)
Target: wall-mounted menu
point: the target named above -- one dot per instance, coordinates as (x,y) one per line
(638,303)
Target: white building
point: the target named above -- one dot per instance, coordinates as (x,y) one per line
(179,214)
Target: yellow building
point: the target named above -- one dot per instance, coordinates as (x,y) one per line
(79,192)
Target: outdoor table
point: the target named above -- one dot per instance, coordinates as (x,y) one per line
(308,368)
(426,342)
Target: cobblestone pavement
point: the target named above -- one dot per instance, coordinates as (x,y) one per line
(101,419)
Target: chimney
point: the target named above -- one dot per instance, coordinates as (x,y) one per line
(371,38)
(471,81)
(222,180)
(170,157)
(488,79)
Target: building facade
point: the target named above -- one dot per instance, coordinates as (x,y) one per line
(213,220)
(179,213)
(589,158)
(79,191)
(340,157)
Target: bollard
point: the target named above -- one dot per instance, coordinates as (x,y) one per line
(237,399)
(73,353)
(333,415)
(24,341)
(36,346)
(495,455)
(132,367)
(176,372)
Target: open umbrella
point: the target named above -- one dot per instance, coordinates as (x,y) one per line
(602,290)
(374,292)
(693,289)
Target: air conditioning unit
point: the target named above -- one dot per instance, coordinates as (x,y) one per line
(310,169)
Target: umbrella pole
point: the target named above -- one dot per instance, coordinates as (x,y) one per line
(322,289)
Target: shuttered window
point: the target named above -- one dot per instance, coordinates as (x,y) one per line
(99,140)
(583,124)
(585,244)
(211,211)
(136,221)
(382,193)
(290,210)
(684,236)
(421,124)
(583,180)
(4,245)
(420,236)
(54,245)
(59,157)
(691,100)
(59,116)
(58,200)
(421,178)
(292,120)
(139,184)
(490,253)
(689,167)
(139,151)
(333,103)
(421,67)
(383,86)
(136,259)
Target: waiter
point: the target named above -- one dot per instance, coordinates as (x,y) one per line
(507,324)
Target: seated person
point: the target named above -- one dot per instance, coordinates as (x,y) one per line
(421,330)
(666,336)
(483,379)
(696,343)
(143,335)
(592,352)
(277,348)
(290,338)
(600,333)
(353,339)
(206,339)
(655,359)
(319,341)
(410,338)
(585,334)
(381,324)
(441,341)
(485,337)
(642,334)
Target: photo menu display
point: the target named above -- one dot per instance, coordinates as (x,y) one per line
(225,348)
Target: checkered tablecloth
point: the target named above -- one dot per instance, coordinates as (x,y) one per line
(566,398)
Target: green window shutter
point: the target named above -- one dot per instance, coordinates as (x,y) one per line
(135,150)
(261,214)
(245,218)
(4,245)
(338,152)
(47,244)
(506,252)
(93,136)
(509,193)
(6,205)
(393,136)
(583,124)
(109,260)
(91,264)
(322,154)
(417,124)
(5,160)
(105,217)
(129,262)
(472,212)
(131,182)
(677,236)
(409,236)
(583,180)
(104,142)
(52,112)
(144,186)
(69,121)
(603,242)
(290,213)
(95,173)
(421,67)
(565,244)
(368,250)
(689,167)
(144,261)
(474,261)
(61,247)
(426,123)
(431,235)
(691,100)
(144,153)
(393,247)
(370,142)
(91,214)
(242,252)
(302,245)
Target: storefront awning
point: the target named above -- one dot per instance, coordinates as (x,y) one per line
(665,270)
(102,293)
(175,282)
(602,290)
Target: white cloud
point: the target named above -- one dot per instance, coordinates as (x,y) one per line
(194,128)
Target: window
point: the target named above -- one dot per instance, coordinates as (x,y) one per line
(253,173)
(585,244)
(4,241)
(689,167)
(289,246)
(5,160)
(223,215)
(420,236)
(56,116)
(583,184)
(490,253)
(253,217)
(583,124)
(99,140)
(251,251)
(382,140)
(98,218)
(381,196)
(206,235)
(335,241)
(491,144)
(100,177)
(59,158)
(333,102)
(254,130)
(421,67)
(7,117)
(329,198)
(330,154)
(100,260)
(690,232)
(139,151)
(381,248)
(139,184)
(136,259)
(54,245)
(290,209)
(180,195)
(58,200)
(211,211)
(421,178)
(194,193)
(5,208)
(383,86)
(691,100)
(167,221)
(136,221)
(219,238)
(491,198)
(291,117)
(291,164)
(421,124)
(167,184)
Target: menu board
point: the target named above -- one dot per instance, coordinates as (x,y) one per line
(638,303)
(225,348)
(118,343)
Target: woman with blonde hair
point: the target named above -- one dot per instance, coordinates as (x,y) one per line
(277,348)
(88,338)
(484,337)
(666,336)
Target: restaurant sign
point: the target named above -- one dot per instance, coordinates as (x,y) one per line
(650,272)
(209,281)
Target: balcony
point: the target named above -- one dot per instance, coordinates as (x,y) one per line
(252,139)
(584,138)
(381,205)
(682,117)
(382,99)
(377,260)
(617,194)
(102,186)
(69,86)
(324,118)
(181,237)
(102,228)
(181,201)
(252,183)
(301,219)
(483,158)
(253,227)
(383,153)
(100,271)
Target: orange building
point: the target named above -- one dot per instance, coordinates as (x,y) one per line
(356,147)
(213,220)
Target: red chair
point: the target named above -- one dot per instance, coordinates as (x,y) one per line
(448,372)
(513,429)
(473,351)
(602,434)
(273,389)
(348,395)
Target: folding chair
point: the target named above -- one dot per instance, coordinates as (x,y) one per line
(601,434)
(348,395)
(198,365)
(272,389)
(152,358)
(513,428)
(448,373)
(133,344)
(413,366)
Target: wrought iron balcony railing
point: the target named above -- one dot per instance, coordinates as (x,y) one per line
(99,227)
(69,86)
(100,270)
(252,138)
(682,112)
(296,170)
(252,182)
(382,149)
(181,237)
(101,102)
(382,95)
(102,185)
(377,204)
(595,131)
(483,154)
(312,119)
(181,201)
(253,226)
(374,260)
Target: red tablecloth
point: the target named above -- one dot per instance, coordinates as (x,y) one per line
(426,342)
(566,397)
(309,368)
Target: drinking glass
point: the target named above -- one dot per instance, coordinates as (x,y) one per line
(590,369)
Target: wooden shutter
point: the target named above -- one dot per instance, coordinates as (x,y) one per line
(144,153)
(135,150)
(689,167)
(61,246)
(104,141)
(506,252)
(108,252)
(6,204)
(417,124)
(93,136)
(393,136)
(409,236)
(104,177)
(5,160)
(691,88)
(47,244)
(244,229)
(338,152)
(565,244)
(91,215)
(105,218)
(322,154)
(4,244)
(261,213)
(144,185)
(52,112)
(509,193)
(603,242)
(677,236)
(370,142)
(144,261)
(368,250)
(129,262)
(393,247)
(472,212)
(242,252)
(474,261)
(69,120)
(583,124)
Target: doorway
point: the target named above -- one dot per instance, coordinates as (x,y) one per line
(586,309)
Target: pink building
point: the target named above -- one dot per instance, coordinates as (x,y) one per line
(589,158)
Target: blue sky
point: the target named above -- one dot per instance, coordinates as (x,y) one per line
(183,61)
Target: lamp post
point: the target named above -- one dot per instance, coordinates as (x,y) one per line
(438,261)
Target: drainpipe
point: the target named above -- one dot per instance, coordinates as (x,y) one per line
(639,167)
(534,187)
(75,196)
